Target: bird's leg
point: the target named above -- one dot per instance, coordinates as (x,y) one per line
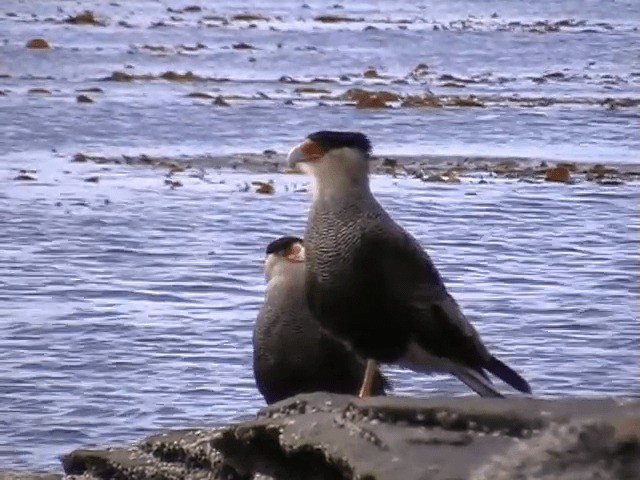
(367,383)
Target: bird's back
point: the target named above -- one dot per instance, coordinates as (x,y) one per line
(370,281)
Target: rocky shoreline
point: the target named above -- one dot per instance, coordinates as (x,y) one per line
(428,168)
(323,436)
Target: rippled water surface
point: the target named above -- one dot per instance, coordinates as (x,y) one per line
(127,307)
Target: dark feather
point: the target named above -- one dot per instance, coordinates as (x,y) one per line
(291,352)
(414,287)
(329,140)
(507,375)
(281,244)
(312,362)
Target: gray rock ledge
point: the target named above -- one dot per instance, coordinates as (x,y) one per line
(322,436)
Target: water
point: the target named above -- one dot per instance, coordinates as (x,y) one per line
(126,307)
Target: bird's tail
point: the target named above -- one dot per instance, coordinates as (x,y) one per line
(507,375)
(477,381)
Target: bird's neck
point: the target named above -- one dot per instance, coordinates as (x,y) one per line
(284,273)
(335,182)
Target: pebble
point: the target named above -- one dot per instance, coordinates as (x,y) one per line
(558,174)
(38,43)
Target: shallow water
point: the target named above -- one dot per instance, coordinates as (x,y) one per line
(494,48)
(132,315)
(127,307)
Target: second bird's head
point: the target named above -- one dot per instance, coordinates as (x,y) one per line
(283,255)
(330,155)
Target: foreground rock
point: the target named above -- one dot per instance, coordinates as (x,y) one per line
(320,436)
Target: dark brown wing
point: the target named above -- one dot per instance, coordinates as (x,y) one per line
(414,287)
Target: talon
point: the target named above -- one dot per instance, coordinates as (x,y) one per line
(367,382)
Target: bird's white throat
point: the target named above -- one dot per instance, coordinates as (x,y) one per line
(340,173)
(277,269)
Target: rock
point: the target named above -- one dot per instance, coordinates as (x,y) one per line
(40,91)
(180,77)
(203,95)
(311,90)
(420,70)
(266,188)
(85,18)
(122,77)
(506,166)
(220,101)
(373,101)
(243,46)
(93,179)
(452,176)
(38,43)
(84,99)
(453,85)
(389,162)
(80,158)
(90,90)
(249,17)
(318,436)
(361,95)
(371,73)
(610,181)
(175,167)
(421,101)
(434,178)
(336,19)
(615,103)
(600,170)
(369,99)
(187,9)
(470,101)
(558,174)
(25,176)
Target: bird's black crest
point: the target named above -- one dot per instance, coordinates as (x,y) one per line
(282,244)
(329,140)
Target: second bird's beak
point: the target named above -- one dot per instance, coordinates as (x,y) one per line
(296,156)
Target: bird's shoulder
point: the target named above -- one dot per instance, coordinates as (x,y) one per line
(411,279)
(396,254)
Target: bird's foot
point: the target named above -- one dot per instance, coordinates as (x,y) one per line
(367,383)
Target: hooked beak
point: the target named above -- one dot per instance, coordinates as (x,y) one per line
(305,152)
(296,156)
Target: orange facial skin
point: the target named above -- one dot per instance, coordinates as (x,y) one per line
(295,253)
(311,150)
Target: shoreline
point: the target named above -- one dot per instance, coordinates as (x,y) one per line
(428,168)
